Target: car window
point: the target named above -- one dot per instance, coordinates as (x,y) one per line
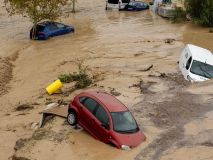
(131,3)
(188,63)
(138,5)
(52,27)
(102,115)
(90,104)
(82,99)
(59,25)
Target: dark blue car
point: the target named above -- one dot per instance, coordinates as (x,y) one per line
(47,29)
(136,6)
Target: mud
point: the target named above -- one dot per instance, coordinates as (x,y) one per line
(171,115)
(117,47)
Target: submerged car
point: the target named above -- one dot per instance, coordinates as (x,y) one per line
(196,63)
(135,6)
(44,30)
(106,119)
(116,4)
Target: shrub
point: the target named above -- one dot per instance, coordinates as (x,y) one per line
(201,11)
(179,15)
(81,77)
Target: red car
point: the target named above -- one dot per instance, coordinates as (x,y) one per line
(106,119)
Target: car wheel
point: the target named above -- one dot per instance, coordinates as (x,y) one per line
(72,118)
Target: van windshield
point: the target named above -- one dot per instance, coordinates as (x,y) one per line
(202,69)
(124,122)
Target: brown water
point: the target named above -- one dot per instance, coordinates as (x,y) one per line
(114,45)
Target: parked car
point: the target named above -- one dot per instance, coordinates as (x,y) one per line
(47,29)
(196,63)
(116,4)
(106,119)
(135,6)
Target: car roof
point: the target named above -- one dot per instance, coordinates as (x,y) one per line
(110,102)
(201,54)
(45,23)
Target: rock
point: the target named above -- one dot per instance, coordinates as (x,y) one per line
(146,68)
(24,107)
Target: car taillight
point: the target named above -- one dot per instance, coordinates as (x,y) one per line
(41,33)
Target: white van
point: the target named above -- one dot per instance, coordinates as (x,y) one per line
(116,4)
(196,63)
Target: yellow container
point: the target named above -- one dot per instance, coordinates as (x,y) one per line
(54,87)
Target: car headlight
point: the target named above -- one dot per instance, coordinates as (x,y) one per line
(125,147)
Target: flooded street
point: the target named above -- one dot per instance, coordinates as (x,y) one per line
(117,47)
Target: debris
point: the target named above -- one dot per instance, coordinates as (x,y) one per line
(81,77)
(24,107)
(52,110)
(55,87)
(114,92)
(39,134)
(208,144)
(146,68)
(14,157)
(34,125)
(51,105)
(144,87)
(169,40)
(20,143)
(35,104)
(211,30)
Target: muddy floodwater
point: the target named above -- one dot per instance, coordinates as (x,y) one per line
(132,55)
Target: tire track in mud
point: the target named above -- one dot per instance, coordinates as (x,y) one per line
(170,115)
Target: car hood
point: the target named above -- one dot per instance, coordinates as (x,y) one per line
(130,139)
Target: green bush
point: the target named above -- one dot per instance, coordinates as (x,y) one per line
(201,11)
(81,77)
(179,15)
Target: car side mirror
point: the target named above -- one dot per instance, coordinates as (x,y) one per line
(104,125)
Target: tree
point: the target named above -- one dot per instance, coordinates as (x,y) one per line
(201,11)
(36,10)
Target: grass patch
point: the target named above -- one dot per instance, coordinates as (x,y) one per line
(81,77)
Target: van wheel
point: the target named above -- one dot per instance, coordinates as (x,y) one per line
(72,118)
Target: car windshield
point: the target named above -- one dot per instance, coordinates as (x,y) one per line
(202,69)
(124,122)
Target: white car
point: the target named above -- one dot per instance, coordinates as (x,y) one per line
(116,4)
(196,63)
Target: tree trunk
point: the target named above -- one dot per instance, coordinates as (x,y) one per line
(73,6)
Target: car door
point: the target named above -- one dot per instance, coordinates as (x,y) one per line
(102,124)
(86,113)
